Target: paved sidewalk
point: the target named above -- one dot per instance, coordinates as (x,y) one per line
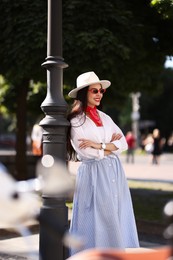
(142,169)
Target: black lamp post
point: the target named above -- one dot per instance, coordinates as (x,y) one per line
(54,131)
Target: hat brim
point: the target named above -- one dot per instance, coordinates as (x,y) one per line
(104,83)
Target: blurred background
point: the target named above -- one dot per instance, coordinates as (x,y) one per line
(129,43)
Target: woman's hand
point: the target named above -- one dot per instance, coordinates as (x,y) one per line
(84,143)
(106,152)
(116,137)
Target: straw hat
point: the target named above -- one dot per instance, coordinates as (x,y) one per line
(87,79)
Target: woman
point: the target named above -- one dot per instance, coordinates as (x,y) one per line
(102,208)
(158,143)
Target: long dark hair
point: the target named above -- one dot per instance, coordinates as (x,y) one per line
(78,108)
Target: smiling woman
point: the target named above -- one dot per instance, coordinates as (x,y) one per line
(102,209)
(94,95)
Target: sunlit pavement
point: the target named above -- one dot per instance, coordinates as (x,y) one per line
(142,169)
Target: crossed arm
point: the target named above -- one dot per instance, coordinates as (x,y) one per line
(85,143)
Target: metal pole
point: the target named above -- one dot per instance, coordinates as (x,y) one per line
(135,116)
(54,131)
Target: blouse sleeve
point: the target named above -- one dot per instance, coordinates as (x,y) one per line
(121,144)
(88,153)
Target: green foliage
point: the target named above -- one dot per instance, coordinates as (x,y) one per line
(7,95)
(164,7)
(6,116)
(36,95)
(120,40)
(23,39)
(3,89)
(160,107)
(123,41)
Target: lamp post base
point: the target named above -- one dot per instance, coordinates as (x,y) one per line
(53,219)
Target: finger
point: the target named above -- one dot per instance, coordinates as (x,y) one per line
(83,145)
(113,136)
(119,136)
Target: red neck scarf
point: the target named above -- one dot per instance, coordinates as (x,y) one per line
(93,114)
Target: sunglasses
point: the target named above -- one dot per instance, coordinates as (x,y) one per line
(95,90)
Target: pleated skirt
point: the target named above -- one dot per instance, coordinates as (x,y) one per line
(102,212)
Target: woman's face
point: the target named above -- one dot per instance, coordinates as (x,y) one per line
(94,95)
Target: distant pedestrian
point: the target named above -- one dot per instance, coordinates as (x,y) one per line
(170,143)
(158,143)
(148,144)
(131,141)
(36,139)
(102,208)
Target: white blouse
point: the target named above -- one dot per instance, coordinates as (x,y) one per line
(86,128)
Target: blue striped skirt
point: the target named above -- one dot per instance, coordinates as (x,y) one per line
(102,208)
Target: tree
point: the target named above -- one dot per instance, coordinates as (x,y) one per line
(123,40)
(159,108)
(22,48)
